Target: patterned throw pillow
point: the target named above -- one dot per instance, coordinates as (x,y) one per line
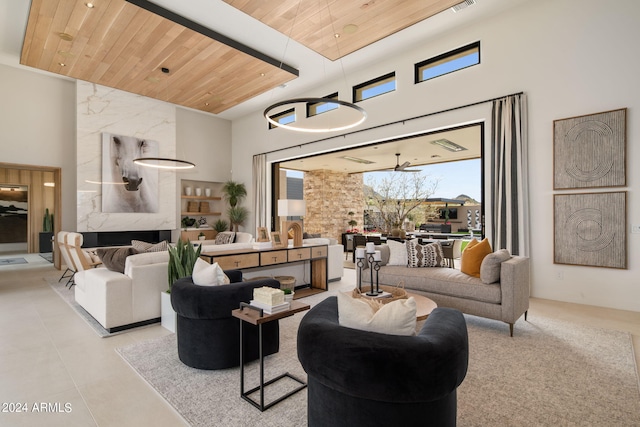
(225,237)
(141,246)
(428,255)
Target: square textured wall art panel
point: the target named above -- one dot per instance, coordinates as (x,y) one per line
(590,229)
(589,151)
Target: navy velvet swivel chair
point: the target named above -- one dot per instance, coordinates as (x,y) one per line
(208,336)
(359,378)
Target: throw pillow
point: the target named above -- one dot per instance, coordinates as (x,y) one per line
(225,237)
(141,246)
(429,255)
(395,318)
(491,264)
(397,253)
(205,274)
(472,257)
(114,258)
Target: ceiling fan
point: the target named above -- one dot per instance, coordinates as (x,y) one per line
(403,167)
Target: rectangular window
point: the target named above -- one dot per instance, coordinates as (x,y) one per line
(466,56)
(285,118)
(375,87)
(313,109)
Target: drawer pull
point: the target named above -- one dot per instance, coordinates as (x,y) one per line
(275,259)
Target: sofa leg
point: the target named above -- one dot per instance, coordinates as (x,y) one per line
(511,329)
(525,315)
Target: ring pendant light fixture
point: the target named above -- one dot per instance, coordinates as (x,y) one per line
(163,163)
(359,116)
(353,115)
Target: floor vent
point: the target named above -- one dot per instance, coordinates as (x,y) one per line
(465,4)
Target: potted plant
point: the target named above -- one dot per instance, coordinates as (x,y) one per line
(182,258)
(234,193)
(201,236)
(288,294)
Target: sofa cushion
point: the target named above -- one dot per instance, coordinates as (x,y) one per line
(145,258)
(395,318)
(473,255)
(491,265)
(397,253)
(225,237)
(205,274)
(114,258)
(429,255)
(141,246)
(443,281)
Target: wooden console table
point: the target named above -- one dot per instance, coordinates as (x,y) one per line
(241,259)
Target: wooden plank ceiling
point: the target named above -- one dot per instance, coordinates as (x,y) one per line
(123,46)
(335,28)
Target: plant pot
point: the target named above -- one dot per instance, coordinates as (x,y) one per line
(202,237)
(167,314)
(288,297)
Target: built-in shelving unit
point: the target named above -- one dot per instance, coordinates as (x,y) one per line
(200,199)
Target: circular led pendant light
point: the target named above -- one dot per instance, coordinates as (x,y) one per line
(163,163)
(329,121)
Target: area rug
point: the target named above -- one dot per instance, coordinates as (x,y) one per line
(551,373)
(47,256)
(12,261)
(68,296)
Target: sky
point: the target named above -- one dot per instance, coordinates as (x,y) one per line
(462,177)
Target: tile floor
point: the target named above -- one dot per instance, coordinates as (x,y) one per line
(48,354)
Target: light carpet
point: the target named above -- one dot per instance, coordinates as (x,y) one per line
(68,296)
(12,261)
(551,373)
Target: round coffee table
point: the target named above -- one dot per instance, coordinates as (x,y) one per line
(424,305)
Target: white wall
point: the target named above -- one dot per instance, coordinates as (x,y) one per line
(571,57)
(38,127)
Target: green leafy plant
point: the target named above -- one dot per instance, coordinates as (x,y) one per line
(234,192)
(182,258)
(201,234)
(220,225)
(287,291)
(47,221)
(237,216)
(187,222)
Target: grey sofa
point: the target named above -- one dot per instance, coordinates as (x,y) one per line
(506,300)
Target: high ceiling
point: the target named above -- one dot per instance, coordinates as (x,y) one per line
(118,44)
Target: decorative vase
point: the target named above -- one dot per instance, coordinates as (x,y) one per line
(187,191)
(198,191)
(207,192)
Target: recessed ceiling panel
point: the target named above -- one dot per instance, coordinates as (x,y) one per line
(123,46)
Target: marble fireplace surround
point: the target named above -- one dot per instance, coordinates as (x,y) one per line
(102,109)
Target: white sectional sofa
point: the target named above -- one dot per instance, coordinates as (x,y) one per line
(122,300)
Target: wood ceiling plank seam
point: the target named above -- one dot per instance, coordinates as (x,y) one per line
(114,21)
(67,19)
(41,15)
(124,44)
(30,31)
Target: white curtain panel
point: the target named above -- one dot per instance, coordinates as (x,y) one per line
(510,207)
(260,189)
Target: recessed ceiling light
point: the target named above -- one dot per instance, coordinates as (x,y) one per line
(89,5)
(357,160)
(62,64)
(336,35)
(262,74)
(350,28)
(206,103)
(448,145)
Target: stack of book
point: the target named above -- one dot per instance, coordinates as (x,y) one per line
(270,300)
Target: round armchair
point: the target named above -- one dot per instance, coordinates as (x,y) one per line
(358,378)
(208,336)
